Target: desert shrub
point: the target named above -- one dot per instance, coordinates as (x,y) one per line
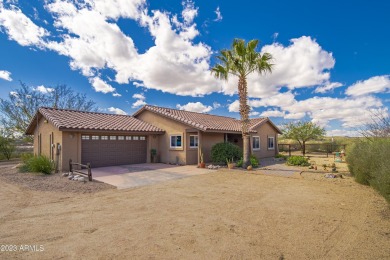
(254,162)
(298,161)
(279,155)
(7,147)
(26,156)
(222,151)
(37,164)
(369,164)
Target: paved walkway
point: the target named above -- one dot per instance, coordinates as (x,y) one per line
(135,175)
(278,168)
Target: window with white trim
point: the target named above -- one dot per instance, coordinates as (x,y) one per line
(135,138)
(271,143)
(142,138)
(128,137)
(176,141)
(95,137)
(104,137)
(112,137)
(85,137)
(121,137)
(256,142)
(194,141)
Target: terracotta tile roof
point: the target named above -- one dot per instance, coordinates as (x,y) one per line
(65,119)
(204,122)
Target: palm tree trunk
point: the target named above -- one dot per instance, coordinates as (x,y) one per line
(244,112)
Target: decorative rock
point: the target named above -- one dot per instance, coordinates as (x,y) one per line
(81,179)
(249,168)
(65,174)
(70,177)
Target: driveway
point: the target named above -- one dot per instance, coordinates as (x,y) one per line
(135,175)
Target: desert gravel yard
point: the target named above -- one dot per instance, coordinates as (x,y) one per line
(221,215)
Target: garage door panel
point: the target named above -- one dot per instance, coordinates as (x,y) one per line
(102,153)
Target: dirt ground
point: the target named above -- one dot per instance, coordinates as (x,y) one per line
(221,215)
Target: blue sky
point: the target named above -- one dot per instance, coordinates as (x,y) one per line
(332,60)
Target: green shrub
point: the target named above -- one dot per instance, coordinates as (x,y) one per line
(7,147)
(253,159)
(298,161)
(222,151)
(37,164)
(279,155)
(368,162)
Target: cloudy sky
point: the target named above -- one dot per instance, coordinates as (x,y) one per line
(332,59)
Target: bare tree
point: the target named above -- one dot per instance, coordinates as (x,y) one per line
(379,125)
(22,104)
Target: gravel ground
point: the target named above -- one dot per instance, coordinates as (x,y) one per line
(53,182)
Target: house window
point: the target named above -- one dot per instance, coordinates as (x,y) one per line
(256,142)
(194,140)
(95,137)
(176,141)
(120,137)
(104,137)
(143,138)
(85,137)
(112,137)
(128,137)
(136,138)
(271,143)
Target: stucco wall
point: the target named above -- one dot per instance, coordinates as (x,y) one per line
(71,148)
(264,131)
(207,141)
(164,152)
(46,131)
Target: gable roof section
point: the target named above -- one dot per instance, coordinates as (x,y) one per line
(205,122)
(65,119)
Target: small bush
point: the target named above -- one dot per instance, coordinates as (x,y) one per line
(279,155)
(253,159)
(7,147)
(298,161)
(222,151)
(37,164)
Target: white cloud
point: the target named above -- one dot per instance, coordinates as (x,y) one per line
(216,105)
(20,28)
(377,84)
(273,113)
(117,111)
(139,96)
(138,103)
(195,107)
(219,15)
(6,75)
(254,113)
(328,87)
(116,95)
(100,85)
(44,89)
(14,93)
(189,12)
(342,132)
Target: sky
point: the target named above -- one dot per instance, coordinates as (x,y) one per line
(331,59)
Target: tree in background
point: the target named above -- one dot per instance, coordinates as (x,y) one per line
(379,125)
(242,60)
(303,132)
(22,104)
(7,146)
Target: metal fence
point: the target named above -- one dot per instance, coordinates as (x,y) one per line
(319,149)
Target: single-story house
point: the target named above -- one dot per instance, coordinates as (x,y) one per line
(107,139)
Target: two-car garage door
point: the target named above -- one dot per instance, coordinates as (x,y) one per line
(109,150)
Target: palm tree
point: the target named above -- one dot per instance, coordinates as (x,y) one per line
(240,61)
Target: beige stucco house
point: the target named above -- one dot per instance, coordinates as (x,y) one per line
(106,139)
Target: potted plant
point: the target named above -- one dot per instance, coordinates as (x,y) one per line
(201,164)
(153,154)
(229,163)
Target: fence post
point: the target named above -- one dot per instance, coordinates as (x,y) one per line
(89,172)
(70,166)
(289,150)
